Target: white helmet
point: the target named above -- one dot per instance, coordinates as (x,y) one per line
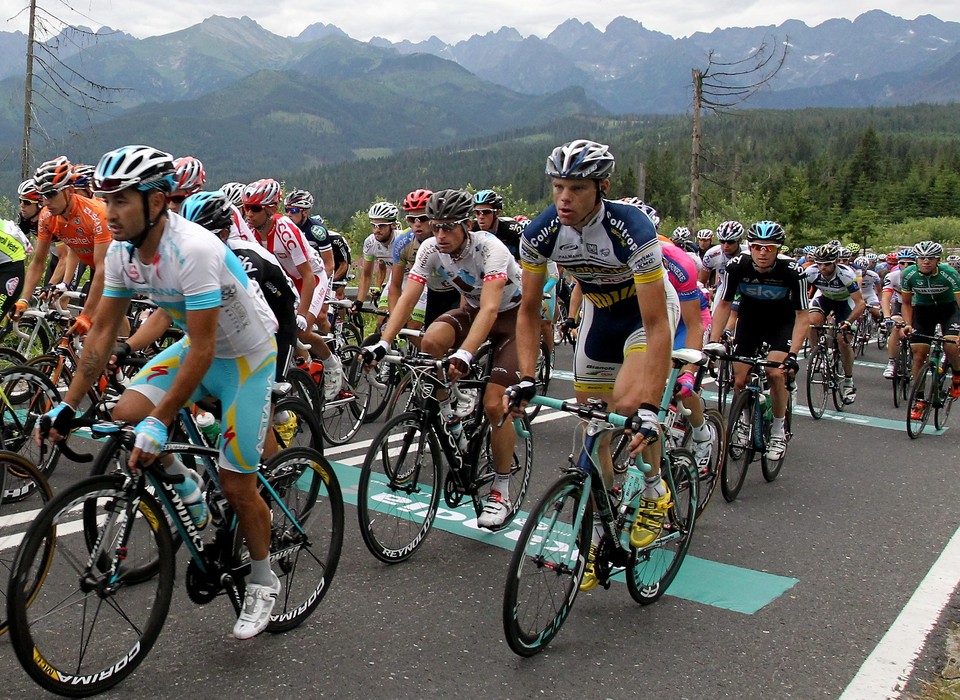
(383,210)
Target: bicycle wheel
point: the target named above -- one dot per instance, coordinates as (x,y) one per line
(381,383)
(25,395)
(724,382)
(710,477)
(401,395)
(343,416)
(818,383)
(558,319)
(740,450)
(38,340)
(899,377)
(652,569)
(86,630)
(25,492)
(304,387)
(920,395)
(770,468)
(399,490)
(941,408)
(304,549)
(836,380)
(295,424)
(11,358)
(520,469)
(547,566)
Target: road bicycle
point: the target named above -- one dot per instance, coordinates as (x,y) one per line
(400,483)
(825,373)
(722,372)
(930,392)
(549,560)
(749,424)
(108,586)
(866,329)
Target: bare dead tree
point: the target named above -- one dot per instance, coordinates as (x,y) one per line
(723,86)
(63,84)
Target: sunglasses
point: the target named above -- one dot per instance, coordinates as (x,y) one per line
(446,225)
(765,247)
(478,212)
(294,210)
(928,257)
(417,219)
(255,208)
(177,198)
(906,262)
(379,226)
(29,201)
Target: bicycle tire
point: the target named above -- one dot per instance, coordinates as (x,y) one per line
(898,377)
(770,468)
(941,408)
(920,393)
(11,358)
(724,380)
(740,450)
(115,633)
(305,553)
(342,417)
(385,374)
(25,491)
(837,380)
(817,383)
(547,565)
(306,432)
(652,569)
(29,395)
(401,397)
(709,479)
(397,501)
(304,386)
(520,470)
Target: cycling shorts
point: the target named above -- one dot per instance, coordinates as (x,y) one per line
(841,308)
(243,385)
(756,329)
(502,337)
(440,302)
(926,319)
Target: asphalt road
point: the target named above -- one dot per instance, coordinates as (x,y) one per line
(786,592)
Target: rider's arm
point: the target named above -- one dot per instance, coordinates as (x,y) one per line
(528,322)
(886,296)
(800,328)
(307,289)
(150,330)
(363,286)
(576,301)
(859,305)
(403,309)
(96,281)
(36,268)
(906,307)
(326,256)
(97,347)
(720,316)
(396,285)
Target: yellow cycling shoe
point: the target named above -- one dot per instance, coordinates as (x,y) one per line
(651,517)
(590,579)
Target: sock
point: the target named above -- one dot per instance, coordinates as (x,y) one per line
(653,487)
(260,572)
(501,483)
(777,428)
(701,433)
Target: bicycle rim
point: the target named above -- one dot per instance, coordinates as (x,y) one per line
(300,429)
(739,446)
(547,566)
(399,490)
(520,469)
(343,415)
(710,477)
(818,383)
(28,396)
(920,396)
(652,569)
(85,631)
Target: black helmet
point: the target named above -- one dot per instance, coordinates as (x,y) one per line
(450,204)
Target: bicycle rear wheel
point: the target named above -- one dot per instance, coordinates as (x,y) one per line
(304,550)
(547,566)
(342,417)
(399,490)
(920,396)
(652,569)
(295,424)
(86,629)
(25,492)
(11,358)
(740,451)
(710,477)
(28,396)
(818,383)
(520,469)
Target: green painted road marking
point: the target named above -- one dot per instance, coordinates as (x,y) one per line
(699,580)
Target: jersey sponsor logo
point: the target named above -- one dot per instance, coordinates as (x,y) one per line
(158,371)
(133,272)
(569,246)
(12,285)
(762,291)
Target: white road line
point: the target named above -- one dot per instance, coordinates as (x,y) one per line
(885,672)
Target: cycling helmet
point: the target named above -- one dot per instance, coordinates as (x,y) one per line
(730,231)
(488,197)
(212,210)
(28,190)
(82,175)
(854,248)
(808,249)
(416,200)
(681,234)
(906,254)
(953,259)
(450,204)
(581,159)
(861,263)
(827,253)
(264,192)
(928,249)
(234,192)
(651,214)
(705,234)
(53,175)
(845,253)
(298,198)
(635,201)
(766,231)
(143,167)
(189,176)
(383,210)
(891,258)
(871,257)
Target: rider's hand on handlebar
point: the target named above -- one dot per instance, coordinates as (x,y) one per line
(790,363)
(646,429)
(81,325)
(459,364)
(517,396)
(372,354)
(151,439)
(56,423)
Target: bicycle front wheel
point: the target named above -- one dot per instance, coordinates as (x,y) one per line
(547,566)
(920,407)
(342,416)
(710,476)
(25,395)
(399,490)
(818,383)
(306,531)
(837,379)
(740,449)
(87,628)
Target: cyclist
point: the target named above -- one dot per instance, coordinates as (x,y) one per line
(188,178)
(954,261)
(30,206)
(229,351)
(773,310)
(704,241)
(487,208)
(378,252)
(78,222)
(891,303)
(839,294)
(730,235)
(234,192)
(13,252)
(622,354)
(405,247)
(930,293)
(82,178)
(297,206)
(479,265)
(869,282)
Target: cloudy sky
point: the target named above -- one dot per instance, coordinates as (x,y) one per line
(418,19)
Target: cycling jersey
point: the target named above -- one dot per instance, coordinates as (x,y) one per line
(509,232)
(869,281)
(285,241)
(239,228)
(315,233)
(13,245)
(891,283)
(341,249)
(617,250)
(194,270)
(938,287)
(682,274)
(716,260)
(838,287)
(81,227)
(783,285)
(405,247)
(484,259)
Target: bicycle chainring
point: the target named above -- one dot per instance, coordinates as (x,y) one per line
(452,492)
(201,587)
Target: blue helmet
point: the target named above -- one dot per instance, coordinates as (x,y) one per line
(906,254)
(142,167)
(212,210)
(488,197)
(767,231)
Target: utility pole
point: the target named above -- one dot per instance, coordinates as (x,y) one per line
(695,150)
(28,96)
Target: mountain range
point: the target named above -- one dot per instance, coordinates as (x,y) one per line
(257,102)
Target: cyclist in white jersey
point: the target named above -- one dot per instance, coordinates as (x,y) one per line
(730,234)
(378,251)
(228,352)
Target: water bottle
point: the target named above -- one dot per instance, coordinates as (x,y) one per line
(767,405)
(632,489)
(209,426)
(192,497)
(454,426)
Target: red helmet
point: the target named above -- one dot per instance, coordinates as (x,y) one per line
(416,200)
(264,192)
(891,258)
(189,175)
